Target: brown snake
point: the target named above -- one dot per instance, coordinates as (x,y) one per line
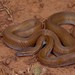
(28,39)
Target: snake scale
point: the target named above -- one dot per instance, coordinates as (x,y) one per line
(54,46)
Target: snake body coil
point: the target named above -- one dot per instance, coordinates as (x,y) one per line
(29,37)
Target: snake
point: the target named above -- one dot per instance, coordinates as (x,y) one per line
(52,45)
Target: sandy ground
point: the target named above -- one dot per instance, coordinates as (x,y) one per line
(13,12)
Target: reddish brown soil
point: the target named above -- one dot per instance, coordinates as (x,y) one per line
(13,12)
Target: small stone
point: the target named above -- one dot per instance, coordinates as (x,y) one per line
(36,69)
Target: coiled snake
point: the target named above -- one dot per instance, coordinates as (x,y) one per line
(53,45)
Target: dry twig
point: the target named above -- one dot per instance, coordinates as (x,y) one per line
(4,8)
